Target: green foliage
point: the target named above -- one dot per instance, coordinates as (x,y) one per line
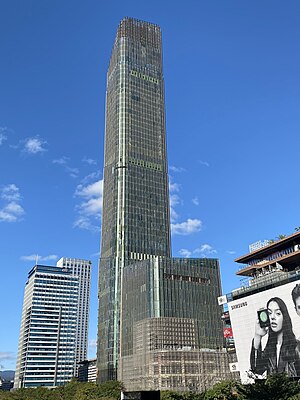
(66,392)
(295,397)
(226,390)
(275,387)
(71,391)
(279,237)
(111,389)
(172,395)
(39,393)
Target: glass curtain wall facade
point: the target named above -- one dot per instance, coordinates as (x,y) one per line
(135,218)
(153,310)
(46,354)
(172,324)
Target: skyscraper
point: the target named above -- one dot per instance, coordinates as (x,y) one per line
(135,219)
(53,336)
(159,320)
(81,269)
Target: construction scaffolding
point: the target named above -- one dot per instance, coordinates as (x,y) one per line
(165,356)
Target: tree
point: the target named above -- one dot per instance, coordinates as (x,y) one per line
(170,395)
(226,390)
(275,387)
(295,397)
(111,389)
(68,391)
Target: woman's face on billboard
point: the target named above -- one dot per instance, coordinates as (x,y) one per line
(297,305)
(276,317)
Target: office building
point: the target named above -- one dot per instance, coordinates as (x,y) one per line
(142,290)
(87,371)
(171,328)
(264,311)
(135,218)
(81,269)
(48,353)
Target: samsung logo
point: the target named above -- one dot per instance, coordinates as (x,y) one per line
(244,304)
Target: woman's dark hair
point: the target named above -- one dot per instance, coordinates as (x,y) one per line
(289,341)
(296,293)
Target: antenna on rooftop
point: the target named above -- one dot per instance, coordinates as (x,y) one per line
(36,259)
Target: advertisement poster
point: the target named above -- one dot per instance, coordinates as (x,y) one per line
(266,331)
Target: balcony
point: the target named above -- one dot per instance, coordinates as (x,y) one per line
(266,281)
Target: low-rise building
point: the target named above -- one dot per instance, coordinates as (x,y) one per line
(87,371)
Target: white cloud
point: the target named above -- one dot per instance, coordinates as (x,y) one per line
(34,145)
(174,200)
(10,193)
(90,178)
(185,253)
(85,223)
(11,210)
(90,208)
(93,343)
(174,187)
(195,201)
(176,169)
(14,208)
(63,162)
(7,356)
(231,252)
(34,257)
(173,214)
(2,138)
(97,254)
(73,172)
(204,163)
(205,250)
(89,161)
(3,134)
(186,228)
(183,228)
(94,189)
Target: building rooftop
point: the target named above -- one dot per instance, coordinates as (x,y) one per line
(284,253)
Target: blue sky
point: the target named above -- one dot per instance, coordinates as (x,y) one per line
(232,105)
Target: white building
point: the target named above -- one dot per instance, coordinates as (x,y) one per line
(88,371)
(82,269)
(55,314)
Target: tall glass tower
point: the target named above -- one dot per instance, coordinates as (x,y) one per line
(135,219)
(159,319)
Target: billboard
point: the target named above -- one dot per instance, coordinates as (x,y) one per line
(266,331)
